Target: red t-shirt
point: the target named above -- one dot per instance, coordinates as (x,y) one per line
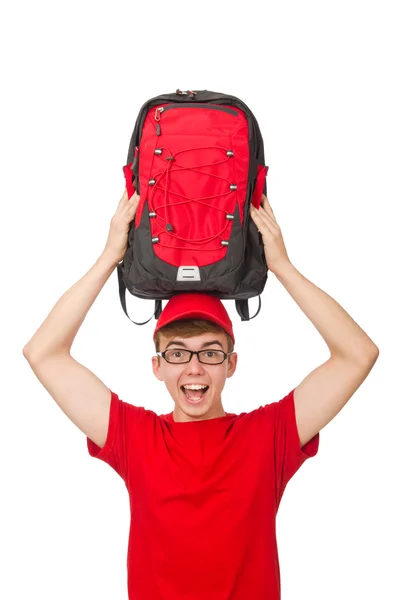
(203,498)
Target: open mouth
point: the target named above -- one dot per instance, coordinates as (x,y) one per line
(195,396)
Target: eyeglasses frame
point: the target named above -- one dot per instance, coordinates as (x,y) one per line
(225,355)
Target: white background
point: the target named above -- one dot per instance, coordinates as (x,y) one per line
(320,78)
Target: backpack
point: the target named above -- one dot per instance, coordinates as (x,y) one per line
(196,159)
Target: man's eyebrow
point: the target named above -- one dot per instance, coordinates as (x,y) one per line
(205,345)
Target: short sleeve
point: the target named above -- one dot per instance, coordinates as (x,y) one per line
(118,449)
(288,453)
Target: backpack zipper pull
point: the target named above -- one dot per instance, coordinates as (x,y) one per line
(157,119)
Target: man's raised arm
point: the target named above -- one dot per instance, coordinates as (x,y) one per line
(80,394)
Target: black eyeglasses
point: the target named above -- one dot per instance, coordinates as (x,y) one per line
(181,355)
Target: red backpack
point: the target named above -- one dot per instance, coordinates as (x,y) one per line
(196,159)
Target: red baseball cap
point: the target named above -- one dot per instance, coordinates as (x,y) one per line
(195,306)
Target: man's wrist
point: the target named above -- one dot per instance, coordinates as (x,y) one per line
(108,260)
(284,270)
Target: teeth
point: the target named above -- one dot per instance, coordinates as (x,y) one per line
(194,386)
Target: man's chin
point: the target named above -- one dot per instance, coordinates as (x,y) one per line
(190,408)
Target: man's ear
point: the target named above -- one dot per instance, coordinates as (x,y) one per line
(156,367)
(232,364)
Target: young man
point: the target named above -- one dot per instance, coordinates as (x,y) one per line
(204,485)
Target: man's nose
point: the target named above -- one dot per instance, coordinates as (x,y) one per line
(194,363)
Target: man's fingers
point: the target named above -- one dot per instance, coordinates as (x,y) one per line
(261,223)
(266,204)
(262,217)
(124,196)
(133,203)
(267,210)
(133,198)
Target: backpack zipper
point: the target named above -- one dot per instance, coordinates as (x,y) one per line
(161,109)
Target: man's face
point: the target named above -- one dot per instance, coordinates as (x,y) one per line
(177,375)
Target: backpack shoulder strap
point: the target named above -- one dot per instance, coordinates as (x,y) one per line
(243,310)
(122,289)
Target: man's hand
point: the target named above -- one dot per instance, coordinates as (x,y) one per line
(116,244)
(275,252)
